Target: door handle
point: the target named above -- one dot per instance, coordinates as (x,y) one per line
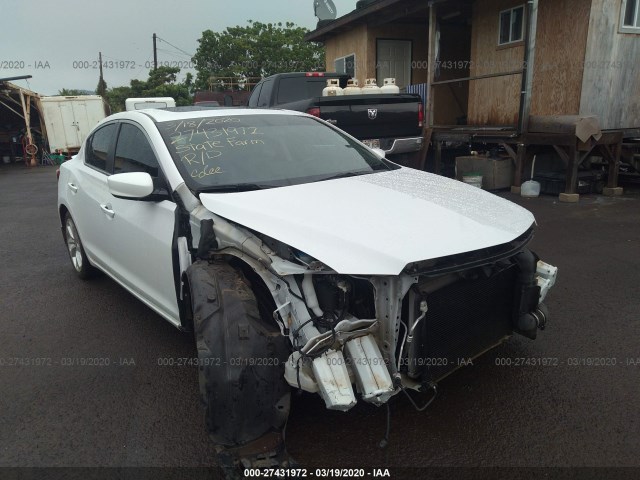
(106,208)
(72,187)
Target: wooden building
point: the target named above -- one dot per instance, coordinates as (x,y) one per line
(514,73)
(20,122)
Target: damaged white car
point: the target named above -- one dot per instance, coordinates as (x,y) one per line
(299,258)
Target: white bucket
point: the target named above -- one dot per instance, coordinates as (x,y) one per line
(473,180)
(530,188)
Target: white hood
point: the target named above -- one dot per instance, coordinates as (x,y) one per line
(377,224)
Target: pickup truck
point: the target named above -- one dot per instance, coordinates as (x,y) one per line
(391,122)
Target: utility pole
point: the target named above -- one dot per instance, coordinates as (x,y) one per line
(100,60)
(155,53)
(101,89)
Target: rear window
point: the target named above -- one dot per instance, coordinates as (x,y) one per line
(298,88)
(272,150)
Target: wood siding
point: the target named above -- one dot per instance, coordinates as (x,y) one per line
(493,101)
(418,34)
(346,43)
(361,40)
(611,81)
(558,66)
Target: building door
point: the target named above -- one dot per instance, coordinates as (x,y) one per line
(394,60)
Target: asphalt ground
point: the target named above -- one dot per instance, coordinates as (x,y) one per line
(81,383)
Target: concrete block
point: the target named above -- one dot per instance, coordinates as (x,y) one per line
(612,191)
(569,197)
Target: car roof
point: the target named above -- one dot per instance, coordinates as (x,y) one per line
(167,115)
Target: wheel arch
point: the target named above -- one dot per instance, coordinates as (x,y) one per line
(242,359)
(258,285)
(62,212)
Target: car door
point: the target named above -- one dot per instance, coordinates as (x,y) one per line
(140,233)
(89,192)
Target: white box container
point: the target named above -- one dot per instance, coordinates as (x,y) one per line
(69,120)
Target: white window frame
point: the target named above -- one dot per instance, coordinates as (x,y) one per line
(635,28)
(511,10)
(344,60)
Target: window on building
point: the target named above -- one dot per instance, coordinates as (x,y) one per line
(346,65)
(630,21)
(511,25)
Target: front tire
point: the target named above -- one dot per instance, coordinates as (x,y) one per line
(75,249)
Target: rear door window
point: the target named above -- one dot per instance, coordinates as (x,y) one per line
(253,101)
(265,93)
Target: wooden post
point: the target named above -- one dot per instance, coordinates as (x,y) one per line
(431,66)
(426,140)
(26,110)
(521,158)
(572,170)
(614,166)
(438,157)
(528,60)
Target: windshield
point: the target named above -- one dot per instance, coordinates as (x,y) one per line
(263,151)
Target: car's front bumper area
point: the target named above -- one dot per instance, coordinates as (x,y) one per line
(441,323)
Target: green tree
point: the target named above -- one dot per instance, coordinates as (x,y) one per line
(72,92)
(116,96)
(101,89)
(162,82)
(256,50)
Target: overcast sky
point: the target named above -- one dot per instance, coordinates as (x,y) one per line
(57,41)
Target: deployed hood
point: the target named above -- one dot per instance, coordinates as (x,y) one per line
(376,224)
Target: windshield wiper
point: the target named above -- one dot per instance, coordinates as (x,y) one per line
(239,187)
(354,174)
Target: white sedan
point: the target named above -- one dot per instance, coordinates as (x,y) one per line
(299,258)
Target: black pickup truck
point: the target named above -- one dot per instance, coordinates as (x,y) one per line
(392,122)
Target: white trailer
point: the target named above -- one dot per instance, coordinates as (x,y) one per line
(68,120)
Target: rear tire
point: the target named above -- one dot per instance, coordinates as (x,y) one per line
(78,258)
(241,358)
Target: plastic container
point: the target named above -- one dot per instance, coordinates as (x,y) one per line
(57,159)
(530,188)
(352,87)
(473,179)
(554,183)
(6,159)
(333,88)
(390,86)
(371,87)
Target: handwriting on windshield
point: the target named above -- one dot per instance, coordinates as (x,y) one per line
(206,171)
(202,144)
(197,124)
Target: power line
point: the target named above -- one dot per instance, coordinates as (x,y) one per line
(177,48)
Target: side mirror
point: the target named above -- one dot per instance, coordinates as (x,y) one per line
(134,185)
